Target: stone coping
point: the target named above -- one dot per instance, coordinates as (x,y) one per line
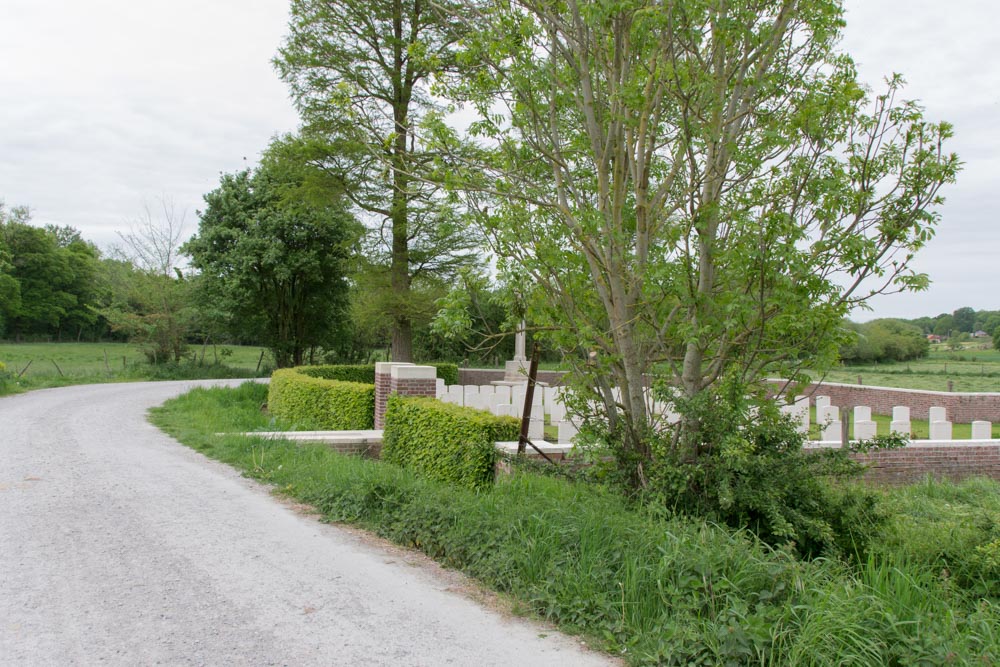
(914,444)
(375,437)
(370,437)
(819,384)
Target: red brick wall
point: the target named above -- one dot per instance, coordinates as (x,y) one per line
(386,385)
(382,391)
(912,464)
(962,408)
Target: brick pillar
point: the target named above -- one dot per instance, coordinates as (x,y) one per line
(402,379)
(413,381)
(383,381)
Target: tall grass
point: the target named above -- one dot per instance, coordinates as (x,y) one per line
(656,589)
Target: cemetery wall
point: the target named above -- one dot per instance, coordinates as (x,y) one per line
(912,464)
(962,408)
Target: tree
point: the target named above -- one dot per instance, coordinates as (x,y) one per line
(55,274)
(360,73)
(274,257)
(965,319)
(150,300)
(697,190)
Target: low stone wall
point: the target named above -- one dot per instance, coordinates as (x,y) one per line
(962,408)
(913,463)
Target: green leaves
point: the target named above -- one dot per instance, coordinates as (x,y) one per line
(445,442)
(315,402)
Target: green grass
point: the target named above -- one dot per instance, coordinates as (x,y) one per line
(970,370)
(42,365)
(655,589)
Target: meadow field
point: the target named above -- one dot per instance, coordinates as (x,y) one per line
(971,369)
(41,365)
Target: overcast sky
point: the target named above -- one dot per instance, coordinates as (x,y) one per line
(108,104)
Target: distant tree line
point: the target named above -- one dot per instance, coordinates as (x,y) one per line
(903,340)
(279,259)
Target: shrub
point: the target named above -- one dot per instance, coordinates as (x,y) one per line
(364,373)
(443,441)
(447,371)
(752,472)
(319,403)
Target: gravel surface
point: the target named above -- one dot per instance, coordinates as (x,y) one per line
(120,546)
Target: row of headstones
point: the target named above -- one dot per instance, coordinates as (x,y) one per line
(508,401)
(828,417)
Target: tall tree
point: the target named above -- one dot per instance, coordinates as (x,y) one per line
(274,256)
(361,73)
(697,189)
(56,274)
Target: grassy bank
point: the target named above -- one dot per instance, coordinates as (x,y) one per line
(656,589)
(41,365)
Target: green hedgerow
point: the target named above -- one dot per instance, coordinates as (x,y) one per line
(443,441)
(318,403)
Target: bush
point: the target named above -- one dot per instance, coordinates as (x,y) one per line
(447,371)
(364,373)
(443,441)
(752,472)
(318,403)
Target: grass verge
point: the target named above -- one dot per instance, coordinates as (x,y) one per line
(655,589)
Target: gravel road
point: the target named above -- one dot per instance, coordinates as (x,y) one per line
(120,546)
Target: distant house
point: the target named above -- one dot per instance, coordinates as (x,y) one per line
(980,334)
(933,338)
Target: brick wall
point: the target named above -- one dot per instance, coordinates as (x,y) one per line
(403,379)
(912,464)
(962,408)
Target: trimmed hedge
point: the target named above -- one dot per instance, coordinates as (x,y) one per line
(320,403)
(364,373)
(447,371)
(443,441)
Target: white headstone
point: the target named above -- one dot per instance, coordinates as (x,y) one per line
(455,395)
(557,412)
(827,413)
(862,413)
(502,393)
(982,430)
(937,414)
(901,413)
(831,431)
(441,389)
(503,409)
(487,396)
(940,430)
(567,431)
(822,402)
(865,430)
(470,393)
(536,429)
(902,426)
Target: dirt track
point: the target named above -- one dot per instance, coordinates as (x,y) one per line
(120,546)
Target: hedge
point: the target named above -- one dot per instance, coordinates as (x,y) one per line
(445,370)
(443,441)
(320,403)
(366,372)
